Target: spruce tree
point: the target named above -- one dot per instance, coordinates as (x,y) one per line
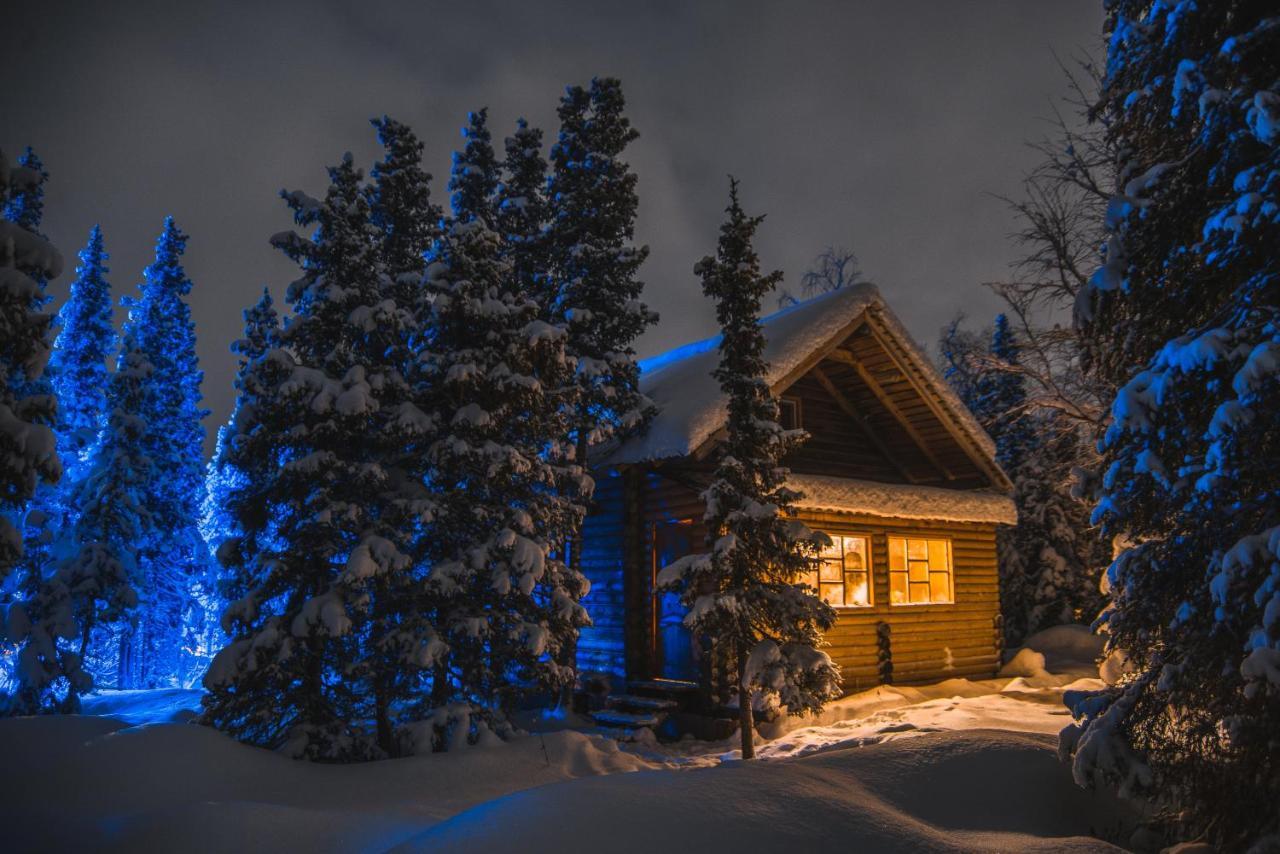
(326,633)
(473,182)
(28,447)
(160,321)
(95,586)
(744,594)
(1184,316)
(86,339)
(508,606)
(523,210)
(593,200)
(40,524)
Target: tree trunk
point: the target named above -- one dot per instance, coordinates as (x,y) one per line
(746,722)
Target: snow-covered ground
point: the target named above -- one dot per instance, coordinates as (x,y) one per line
(956,766)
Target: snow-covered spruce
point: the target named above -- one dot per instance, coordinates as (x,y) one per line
(28,447)
(1189,291)
(86,340)
(499,383)
(593,264)
(222,478)
(94,587)
(151,654)
(744,595)
(330,630)
(523,210)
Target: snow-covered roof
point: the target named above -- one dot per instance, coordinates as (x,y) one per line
(692,407)
(902,501)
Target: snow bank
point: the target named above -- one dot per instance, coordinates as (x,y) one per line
(692,407)
(911,795)
(902,501)
(1072,649)
(74,783)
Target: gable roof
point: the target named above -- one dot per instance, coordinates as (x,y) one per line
(692,408)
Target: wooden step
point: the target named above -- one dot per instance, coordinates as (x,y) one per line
(627,720)
(635,701)
(662,686)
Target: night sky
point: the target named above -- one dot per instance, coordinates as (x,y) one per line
(882,126)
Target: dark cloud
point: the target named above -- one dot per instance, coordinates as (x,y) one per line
(882,126)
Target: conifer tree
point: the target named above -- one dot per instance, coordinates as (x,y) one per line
(25,209)
(94,586)
(160,321)
(261,334)
(28,452)
(503,474)
(1188,291)
(202,625)
(592,194)
(86,339)
(326,632)
(745,594)
(473,182)
(523,210)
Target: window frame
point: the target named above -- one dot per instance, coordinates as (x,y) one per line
(868,570)
(797,408)
(929,571)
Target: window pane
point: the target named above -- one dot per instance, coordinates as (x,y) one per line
(897,588)
(855,552)
(919,593)
(897,554)
(833,550)
(938,555)
(939,587)
(809,578)
(918,549)
(830,571)
(919,570)
(856,591)
(833,594)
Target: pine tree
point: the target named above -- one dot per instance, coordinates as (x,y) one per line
(508,607)
(85,341)
(1183,316)
(94,587)
(523,211)
(326,632)
(597,295)
(473,183)
(744,594)
(160,321)
(28,448)
(204,635)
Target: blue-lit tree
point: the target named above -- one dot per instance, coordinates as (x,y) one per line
(203,632)
(746,594)
(1184,318)
(94,587)
(160,323)
(86,340)
(28,452)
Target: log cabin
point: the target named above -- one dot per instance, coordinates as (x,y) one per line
(896,470)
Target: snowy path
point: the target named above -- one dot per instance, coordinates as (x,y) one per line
(956,766)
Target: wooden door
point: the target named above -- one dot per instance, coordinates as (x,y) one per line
(675,654)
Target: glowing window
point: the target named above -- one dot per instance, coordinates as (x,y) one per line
(920,571)
(843,577)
